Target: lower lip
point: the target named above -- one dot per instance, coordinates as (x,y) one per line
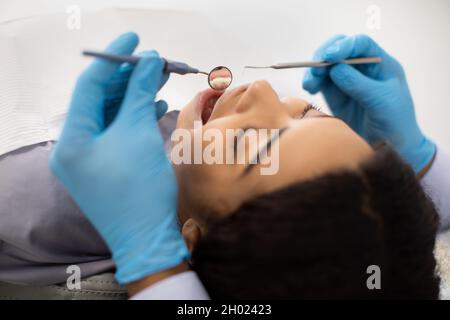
(202,100)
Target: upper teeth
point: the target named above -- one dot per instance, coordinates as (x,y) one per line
(220,82)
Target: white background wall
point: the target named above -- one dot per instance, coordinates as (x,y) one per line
(417,32)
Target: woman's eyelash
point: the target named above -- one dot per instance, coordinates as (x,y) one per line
(308,108)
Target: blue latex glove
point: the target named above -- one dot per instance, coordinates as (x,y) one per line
(120,175)
(374,100)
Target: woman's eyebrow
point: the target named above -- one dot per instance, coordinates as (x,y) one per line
(266,149)
(325,116)
(237,139)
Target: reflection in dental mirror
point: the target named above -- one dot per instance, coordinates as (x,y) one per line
(220,78)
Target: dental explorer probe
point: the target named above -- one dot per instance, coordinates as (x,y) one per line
(170,66)
(317,64)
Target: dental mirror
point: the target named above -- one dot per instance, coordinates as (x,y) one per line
(220,78)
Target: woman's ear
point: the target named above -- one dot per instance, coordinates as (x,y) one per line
(191,233)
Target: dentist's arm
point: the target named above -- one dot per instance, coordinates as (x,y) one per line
(119,174)
(375,101)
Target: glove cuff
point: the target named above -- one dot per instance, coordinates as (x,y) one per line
(159,249)
(419,157)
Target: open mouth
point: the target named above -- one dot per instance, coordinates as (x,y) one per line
(209,107)
(207,102)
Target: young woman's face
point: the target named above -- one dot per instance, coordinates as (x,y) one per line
(311,143)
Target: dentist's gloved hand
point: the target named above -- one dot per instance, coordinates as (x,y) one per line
(373,99)
(119,175)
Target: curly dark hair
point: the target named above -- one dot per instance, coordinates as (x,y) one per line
(316,239)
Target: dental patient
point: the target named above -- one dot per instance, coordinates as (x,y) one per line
(336,207)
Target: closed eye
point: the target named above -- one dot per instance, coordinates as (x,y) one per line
(311,107)
(264,150)
(308,108)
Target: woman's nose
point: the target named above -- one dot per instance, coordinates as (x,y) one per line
(259,96)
